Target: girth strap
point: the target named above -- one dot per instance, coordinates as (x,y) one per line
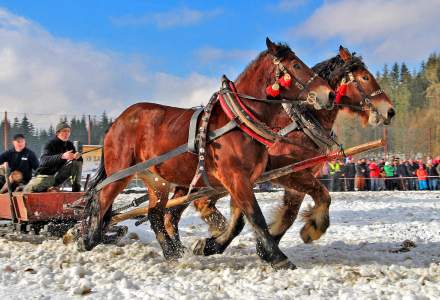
(192,134)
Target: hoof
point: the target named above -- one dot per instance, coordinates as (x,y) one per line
(283,265)
(68,238)
(198,247)
(180,248)
(71,235)
(114,234)
(171,250)
(172,254)
(84,244)
(207,247)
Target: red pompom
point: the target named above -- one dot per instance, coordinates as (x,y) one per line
(285,81)
(340,92)
(273,90)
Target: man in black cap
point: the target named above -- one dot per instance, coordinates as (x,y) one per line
(21,162)
(59,162)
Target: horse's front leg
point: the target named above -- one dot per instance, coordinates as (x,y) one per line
(316,218)
(241,190)
(285,215)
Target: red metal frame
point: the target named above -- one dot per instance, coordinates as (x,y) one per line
(37,207)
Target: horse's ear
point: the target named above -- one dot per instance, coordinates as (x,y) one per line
(344,53)
(271,46)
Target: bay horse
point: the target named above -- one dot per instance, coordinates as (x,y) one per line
(234,160)
(358,93)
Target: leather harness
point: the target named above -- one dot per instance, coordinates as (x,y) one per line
(240,117)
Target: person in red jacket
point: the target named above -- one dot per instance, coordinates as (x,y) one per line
(422,176)
(374,175)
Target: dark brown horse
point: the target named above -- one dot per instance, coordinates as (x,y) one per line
(361,95)
(235,160)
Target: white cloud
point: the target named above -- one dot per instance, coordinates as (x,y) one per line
(211,55)
(230,62)
(41,73)
(174,18)
(388,29)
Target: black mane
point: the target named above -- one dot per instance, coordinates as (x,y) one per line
(334,69)
(283,50)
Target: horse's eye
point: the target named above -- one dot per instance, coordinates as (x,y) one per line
(297,66)
(365,77)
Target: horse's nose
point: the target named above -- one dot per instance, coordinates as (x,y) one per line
(331,100)
(391,113)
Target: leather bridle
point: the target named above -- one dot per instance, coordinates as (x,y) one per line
(365,103)
(311,98)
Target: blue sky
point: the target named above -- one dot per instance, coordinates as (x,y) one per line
(130,28)
(83,56)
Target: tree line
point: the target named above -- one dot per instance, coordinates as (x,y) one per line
(36,138)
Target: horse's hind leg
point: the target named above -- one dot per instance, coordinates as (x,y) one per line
(98,215)
(218,244)
(317,218)
(173,215)
(209,213)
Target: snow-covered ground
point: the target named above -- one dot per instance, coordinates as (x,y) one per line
(356,259)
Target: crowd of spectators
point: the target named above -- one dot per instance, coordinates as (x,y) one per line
(382,174)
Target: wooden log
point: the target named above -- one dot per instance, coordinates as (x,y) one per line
(267,176)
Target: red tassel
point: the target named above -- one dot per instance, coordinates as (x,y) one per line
(273,90)
(340,92)
(285,81)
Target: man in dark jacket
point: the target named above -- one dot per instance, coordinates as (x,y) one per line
(21,162)
(402,174)
(433,175)
(411,171)
(59,162)
(349,174)
(361,171)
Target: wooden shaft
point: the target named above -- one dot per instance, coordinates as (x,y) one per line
(89,130)
(267,176)
(5,131)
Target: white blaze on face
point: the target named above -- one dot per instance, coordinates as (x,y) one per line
(374,118)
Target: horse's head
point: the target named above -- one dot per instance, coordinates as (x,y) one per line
(358,90)
(292,79)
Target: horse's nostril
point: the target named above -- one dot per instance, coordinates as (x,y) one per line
(331,96)
(391,113)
